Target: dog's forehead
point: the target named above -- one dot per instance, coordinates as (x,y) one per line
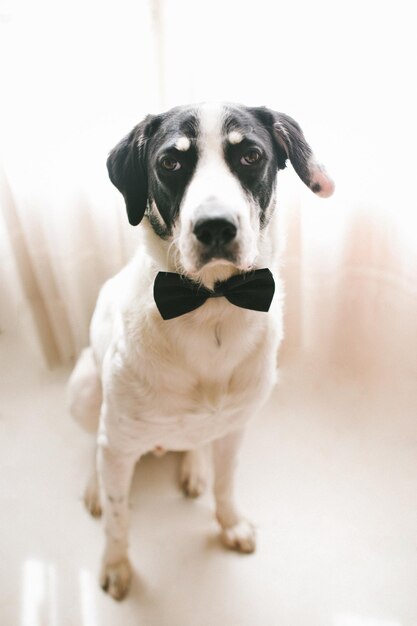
(225,123)
(180,122)
(208,125)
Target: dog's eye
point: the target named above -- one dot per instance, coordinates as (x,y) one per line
(169,164)
(250,158)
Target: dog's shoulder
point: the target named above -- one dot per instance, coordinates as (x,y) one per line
(123,298)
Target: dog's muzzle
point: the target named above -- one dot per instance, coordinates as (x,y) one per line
(216,236)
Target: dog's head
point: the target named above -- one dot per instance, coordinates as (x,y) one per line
(205,177)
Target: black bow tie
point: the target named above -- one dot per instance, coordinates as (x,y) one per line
(175,294)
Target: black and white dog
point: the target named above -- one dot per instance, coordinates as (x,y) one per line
(183,350)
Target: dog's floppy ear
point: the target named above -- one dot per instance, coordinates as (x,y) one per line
(127,169)
(291,144)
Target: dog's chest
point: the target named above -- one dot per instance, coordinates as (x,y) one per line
(197,380)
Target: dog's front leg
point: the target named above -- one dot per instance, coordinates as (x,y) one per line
(115,471)
(237,532)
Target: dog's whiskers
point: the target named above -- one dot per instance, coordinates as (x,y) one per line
(173,255)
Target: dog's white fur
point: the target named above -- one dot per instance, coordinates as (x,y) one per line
(185,384)
(215,192)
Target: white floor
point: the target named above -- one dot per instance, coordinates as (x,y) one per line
(328,474)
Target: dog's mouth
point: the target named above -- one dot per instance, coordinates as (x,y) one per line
(210,270)
(216,257)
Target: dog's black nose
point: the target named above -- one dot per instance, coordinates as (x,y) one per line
(215,232)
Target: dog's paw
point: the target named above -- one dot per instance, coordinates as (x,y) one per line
(115,578)
(240,537)
(193,486)
(193,474)
(92,500)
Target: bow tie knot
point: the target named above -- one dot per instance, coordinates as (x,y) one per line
(176,295)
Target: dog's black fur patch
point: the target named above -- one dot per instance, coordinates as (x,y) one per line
(166,188)
(258,180)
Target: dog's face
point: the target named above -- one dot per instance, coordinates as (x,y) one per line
(206,176)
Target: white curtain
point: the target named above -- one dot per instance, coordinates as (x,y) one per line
(78,75)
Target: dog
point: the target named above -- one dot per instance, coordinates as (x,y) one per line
(180,357)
